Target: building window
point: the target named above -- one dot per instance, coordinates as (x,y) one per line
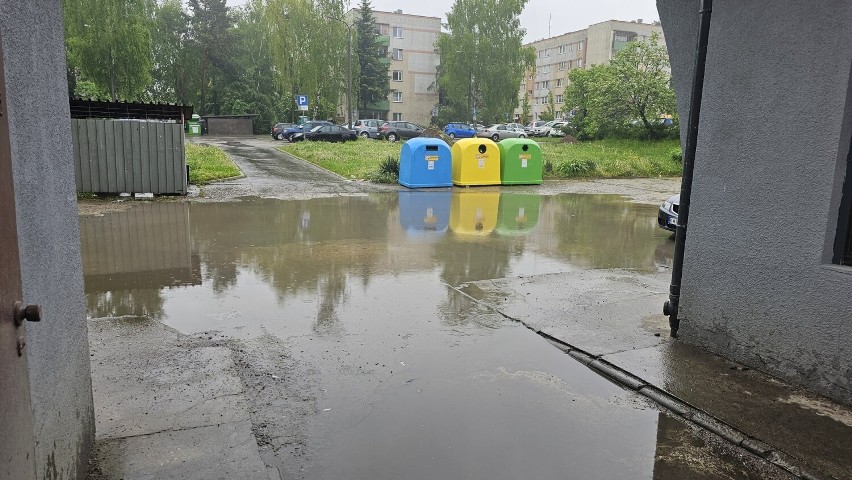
(397,32)
(561,65)
(397,97)
(561,49)
(559,82)
(559,99)
(545,84)
(620,37)
(397,117)
(579,63)
(397,54)
(558,115)
(397,75)
(545,69)
(547,52)
(579,45)
(382,28)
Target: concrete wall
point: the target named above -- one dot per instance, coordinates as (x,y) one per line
(775,132)
(48,235)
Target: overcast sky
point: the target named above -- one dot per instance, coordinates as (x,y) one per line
(562,15)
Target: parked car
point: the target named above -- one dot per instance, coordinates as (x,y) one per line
(530,126)
(393,131)
(516,126)
(326,133)
(278,130)
(667,218)
(305,127)
(500,131)
(542,130)
(459,130)
(556,129)
(368,128)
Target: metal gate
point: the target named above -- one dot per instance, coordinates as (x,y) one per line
(17,455)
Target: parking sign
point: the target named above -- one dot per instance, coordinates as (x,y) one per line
(302,102)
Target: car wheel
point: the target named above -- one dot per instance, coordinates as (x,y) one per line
(453,136)
(495,137)
(392,137)
(280,136)
(522,136)
(364,135)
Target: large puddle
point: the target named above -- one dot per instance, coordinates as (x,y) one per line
(416,381)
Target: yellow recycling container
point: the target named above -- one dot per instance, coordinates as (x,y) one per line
(474,213)
(476,161)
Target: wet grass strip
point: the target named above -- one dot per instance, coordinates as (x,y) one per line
(609,158)
(208,163)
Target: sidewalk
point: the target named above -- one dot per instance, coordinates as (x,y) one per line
(612,321)
(168,409)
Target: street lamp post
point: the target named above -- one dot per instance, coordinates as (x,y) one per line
(349,79)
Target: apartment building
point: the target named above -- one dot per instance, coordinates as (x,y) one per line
(556,56)
(413,65)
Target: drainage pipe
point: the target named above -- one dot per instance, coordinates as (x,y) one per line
(671,306)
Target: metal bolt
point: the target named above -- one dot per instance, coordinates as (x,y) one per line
(22,342)
(30,313)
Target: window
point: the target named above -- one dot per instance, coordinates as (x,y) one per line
(579,63)
(545,69)
(559,82)
(620,37)
(397,117)
(559,99)
(579,45)
(545,84)
(547,52)
(382,28)
(397,75)
(561,65)
(562,49)
(559,115)
(397,54)
(571,47)
(397,97)
(397,32)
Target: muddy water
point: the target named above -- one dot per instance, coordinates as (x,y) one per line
(410,378)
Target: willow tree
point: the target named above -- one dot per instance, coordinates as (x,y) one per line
(309,47)
(483,59)
(108,42)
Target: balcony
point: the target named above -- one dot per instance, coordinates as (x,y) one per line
(383,40)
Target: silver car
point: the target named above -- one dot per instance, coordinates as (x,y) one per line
(542,130)
(500,131)
(368,128)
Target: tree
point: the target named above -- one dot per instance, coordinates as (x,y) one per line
(582,99)
(210,22)
(483,58)
(175,56)
(108,42)
(372,72)
(525,109)
(550,113)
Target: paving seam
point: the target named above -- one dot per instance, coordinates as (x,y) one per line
(669,401)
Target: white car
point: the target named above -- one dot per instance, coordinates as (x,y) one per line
(500,131)
(541,130)
(556,129)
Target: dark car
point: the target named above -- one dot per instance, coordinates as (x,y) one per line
(305,127)
(667,217)
(278,130)
(394,131)
(459,130)
(368,128)
(326,133)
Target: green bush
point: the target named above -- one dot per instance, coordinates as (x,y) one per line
(574,167)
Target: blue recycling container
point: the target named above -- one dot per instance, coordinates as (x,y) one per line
(425,213)
(425,162)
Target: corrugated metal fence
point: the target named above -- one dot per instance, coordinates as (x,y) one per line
(133,156)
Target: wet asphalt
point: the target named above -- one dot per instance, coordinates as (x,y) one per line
(385,369)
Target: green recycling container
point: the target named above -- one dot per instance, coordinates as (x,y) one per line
(518,213)
(520,162)
(193,125)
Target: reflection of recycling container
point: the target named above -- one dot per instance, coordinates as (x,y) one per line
(474,213)
(424,213)
(476,161)
(425,162)
(520,161)
(193,126)
(518,213)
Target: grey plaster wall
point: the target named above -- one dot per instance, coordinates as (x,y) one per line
(48,234)
(775,131)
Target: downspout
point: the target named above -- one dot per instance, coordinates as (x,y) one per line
(671,306)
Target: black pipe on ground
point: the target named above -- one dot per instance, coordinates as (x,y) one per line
(671,306)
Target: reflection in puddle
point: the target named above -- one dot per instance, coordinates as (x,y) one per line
(355,287)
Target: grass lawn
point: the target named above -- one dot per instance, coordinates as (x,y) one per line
(359,159)
(611,158)
(207,164)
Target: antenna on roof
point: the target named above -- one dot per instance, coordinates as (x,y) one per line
(549,21)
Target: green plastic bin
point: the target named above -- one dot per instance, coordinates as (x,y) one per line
(520,162)
(193,125)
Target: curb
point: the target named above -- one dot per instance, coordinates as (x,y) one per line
(667,400)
